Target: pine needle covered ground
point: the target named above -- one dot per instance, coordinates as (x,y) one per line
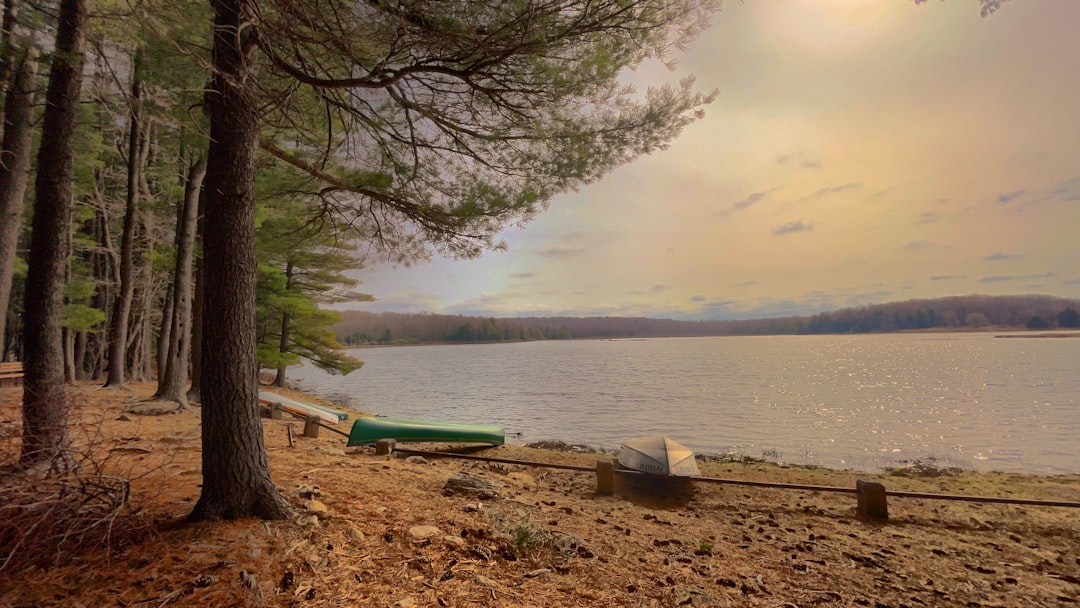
(382,531)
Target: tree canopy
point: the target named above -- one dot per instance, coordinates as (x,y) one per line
(442,123)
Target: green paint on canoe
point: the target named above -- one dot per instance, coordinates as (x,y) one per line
(369,430)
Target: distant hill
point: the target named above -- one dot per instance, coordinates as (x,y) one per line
(959,313)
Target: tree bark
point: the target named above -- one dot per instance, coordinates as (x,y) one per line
(45,410)
(194,393)
(173,378)
(283,344)
(121,316)
(164,341)
(236,476)
(14,174)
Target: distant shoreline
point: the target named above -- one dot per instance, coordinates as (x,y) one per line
(1022,333)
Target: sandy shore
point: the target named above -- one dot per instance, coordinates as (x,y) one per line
(383,531)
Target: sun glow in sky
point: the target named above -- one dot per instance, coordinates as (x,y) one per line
(860,151)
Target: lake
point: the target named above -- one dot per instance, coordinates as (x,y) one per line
(864,402)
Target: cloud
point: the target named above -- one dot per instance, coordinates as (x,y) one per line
(921,245)
(658,288)
(947,277)
(1009,197)
(833,190)
(559,252)
(997,256)
(997,278)
(927,217)
(799,160)
(698,299)
(791,228)
(754,198)
(523,275)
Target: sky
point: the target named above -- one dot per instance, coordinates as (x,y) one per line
(859,152)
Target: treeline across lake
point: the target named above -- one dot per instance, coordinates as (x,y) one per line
(959,313)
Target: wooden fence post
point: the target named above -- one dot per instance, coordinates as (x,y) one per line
(385,446)
(605,477)
(311,427)
(276,411)
(871,501)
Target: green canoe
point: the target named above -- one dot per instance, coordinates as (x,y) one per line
(369,430)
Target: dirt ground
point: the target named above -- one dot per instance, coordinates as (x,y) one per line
(375,530)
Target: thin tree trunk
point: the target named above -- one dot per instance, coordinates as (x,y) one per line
(171,382)
(45,410)
(69,356)
(194,393)
(283,344)
(102,272)
(14,174)
(236,476)
(121,317)
(80,355)
(164,341)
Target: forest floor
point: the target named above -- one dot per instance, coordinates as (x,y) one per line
(376,530)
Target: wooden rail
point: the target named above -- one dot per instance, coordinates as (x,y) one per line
(11,370)
(871,496)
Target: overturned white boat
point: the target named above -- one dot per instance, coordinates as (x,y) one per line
(659,456)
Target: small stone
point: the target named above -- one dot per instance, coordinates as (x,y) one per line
(416,459)
(537,573)
(485,581)
(123,418)
(423,531)
(356,535)
(455,541)
(316,506)
(308,520)
(405,603)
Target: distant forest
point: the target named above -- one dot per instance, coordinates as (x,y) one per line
(959,313)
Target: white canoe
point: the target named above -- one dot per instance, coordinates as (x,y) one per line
(659,456)
(303,408)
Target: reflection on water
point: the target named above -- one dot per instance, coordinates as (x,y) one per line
(862,402)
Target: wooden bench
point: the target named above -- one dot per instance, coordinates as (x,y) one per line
(11,371)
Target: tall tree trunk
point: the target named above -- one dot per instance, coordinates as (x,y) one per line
(236,476)
(194,393)
(69,355)
(81,349)
(283,344)
(164,341)
(14,174)
(121,316)
(45,408)
(174,376)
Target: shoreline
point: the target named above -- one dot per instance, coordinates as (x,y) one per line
(918,463)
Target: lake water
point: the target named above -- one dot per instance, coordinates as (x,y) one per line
(863,402)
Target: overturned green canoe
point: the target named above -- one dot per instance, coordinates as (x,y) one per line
(369,430)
